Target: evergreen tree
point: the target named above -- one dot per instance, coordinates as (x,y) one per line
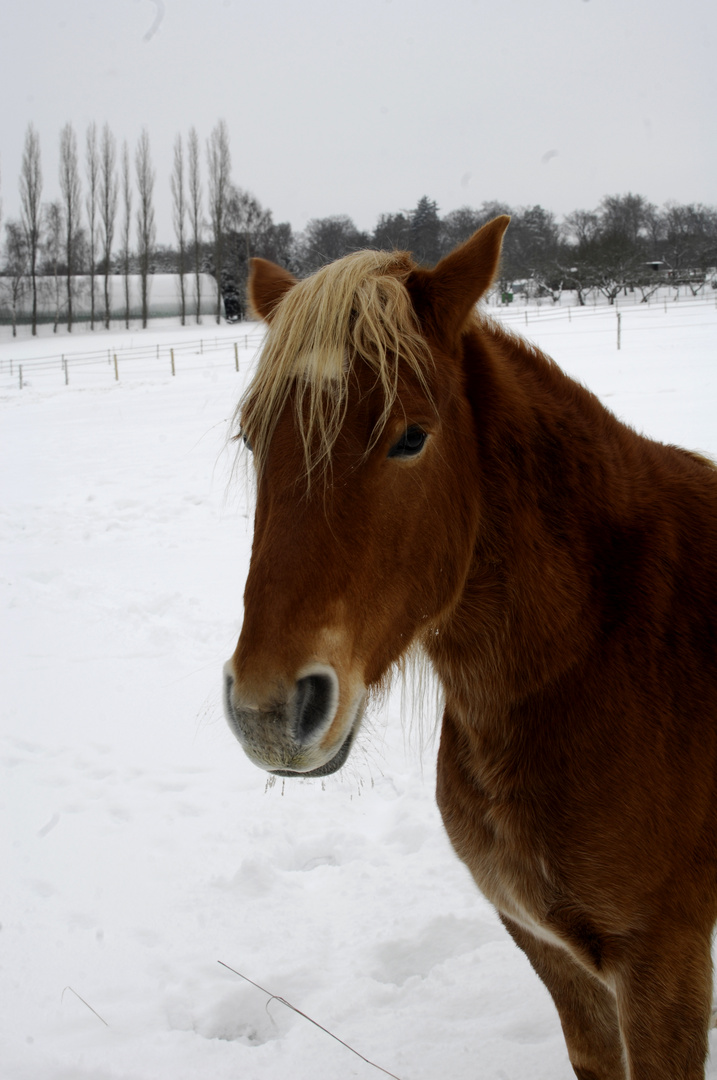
(425,232)
(392,232)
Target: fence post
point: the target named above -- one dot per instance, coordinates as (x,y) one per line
(619,321)
(64,364)
(236,356)
(116,371)
(20,369)
(172,352)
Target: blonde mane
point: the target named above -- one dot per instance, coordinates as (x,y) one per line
(354,310)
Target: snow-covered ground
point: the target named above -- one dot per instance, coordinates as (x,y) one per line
(139,845)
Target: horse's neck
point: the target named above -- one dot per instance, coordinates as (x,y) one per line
(553,478)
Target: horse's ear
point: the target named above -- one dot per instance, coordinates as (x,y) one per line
(268,283)
(444,297)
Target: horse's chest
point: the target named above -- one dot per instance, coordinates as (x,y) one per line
(501,838)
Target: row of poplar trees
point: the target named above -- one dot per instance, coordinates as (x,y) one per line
(89,229)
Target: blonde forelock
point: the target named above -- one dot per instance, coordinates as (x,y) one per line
(355,310)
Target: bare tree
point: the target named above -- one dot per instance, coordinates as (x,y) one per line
(247,218)
(179,208)
(92,171)
(70,188)
(626,216)
(326,239)
(530,256)
(219,165)
(146,230)
(250,231)
(615,264)
(579,231)
(108,191)
(16,266)
(126,225)
(577,273)
(195,213)
(54,229)
(31,210)
(581,226)
(246,223)
(689,244)
(457,226)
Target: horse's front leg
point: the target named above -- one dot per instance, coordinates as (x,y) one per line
(586,1007)
(664,1003)
(655,1025)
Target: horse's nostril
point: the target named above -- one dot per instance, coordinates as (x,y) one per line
(228,684)
(315,702)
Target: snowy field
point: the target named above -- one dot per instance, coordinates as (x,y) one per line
(139,846)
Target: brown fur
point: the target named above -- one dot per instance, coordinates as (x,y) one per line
(558,569)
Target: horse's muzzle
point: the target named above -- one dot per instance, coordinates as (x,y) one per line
(298,734)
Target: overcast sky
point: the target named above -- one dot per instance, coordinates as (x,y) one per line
(364,106)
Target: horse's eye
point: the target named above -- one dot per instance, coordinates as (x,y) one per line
(245,439)
(410,443)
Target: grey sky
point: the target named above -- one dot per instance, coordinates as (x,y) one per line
(363,107)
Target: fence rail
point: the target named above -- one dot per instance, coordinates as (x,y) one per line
(170,357)
(17,371)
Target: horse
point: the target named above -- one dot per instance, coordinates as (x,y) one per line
(427,480)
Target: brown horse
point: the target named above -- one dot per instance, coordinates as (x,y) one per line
(426,479)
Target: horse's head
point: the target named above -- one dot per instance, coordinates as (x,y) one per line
(366,515)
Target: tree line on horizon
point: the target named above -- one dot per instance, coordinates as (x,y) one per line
(103,224)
